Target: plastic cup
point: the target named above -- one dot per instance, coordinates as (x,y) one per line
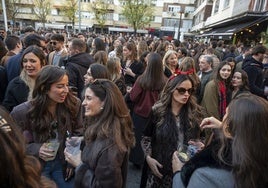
(183,153)
(73,145)
(53,145)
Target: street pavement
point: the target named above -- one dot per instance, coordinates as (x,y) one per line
(134,176)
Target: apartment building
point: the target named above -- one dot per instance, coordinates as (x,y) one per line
(234,20)
(170,18)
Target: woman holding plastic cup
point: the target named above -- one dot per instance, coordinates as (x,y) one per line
(45,120)
(235,158)
(108,138)
(174,120)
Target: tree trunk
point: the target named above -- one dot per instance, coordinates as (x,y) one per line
(44,25)
(102,29)
(73,26)
(135,30)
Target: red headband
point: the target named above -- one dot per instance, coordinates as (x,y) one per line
(179,72)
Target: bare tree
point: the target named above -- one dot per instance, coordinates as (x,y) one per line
(12,9)
(137,12)
(100,9)
(70,9)
(42,9)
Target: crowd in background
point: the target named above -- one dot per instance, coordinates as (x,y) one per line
(132,99)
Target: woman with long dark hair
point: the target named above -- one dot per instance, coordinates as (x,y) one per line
(239,83)
(217,91)
(108,138)
(46,119)
(239,157)
(174,120)
(144,94)
(95,71)
(19,169)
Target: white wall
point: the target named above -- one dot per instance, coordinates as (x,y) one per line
(235,7)
(240,6)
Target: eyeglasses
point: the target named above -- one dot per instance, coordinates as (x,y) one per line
(53,43)
(182,90)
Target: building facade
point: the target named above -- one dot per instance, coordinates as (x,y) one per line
(234,20)
(170,18)
(238,21)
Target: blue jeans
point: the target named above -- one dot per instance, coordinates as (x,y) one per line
(53,170)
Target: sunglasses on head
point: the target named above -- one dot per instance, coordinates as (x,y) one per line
(100,83)
(182,90)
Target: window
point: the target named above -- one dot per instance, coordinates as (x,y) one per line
(226,3)
(170,22)
(122,3)
(54,12)
(26,10)
(189,9)
(110,16)
(216,8)
(174,8)
(259,5)
(85,14)
(122,18)
(187,24)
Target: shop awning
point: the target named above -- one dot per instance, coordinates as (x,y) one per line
(231,29)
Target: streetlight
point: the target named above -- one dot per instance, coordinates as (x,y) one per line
(179,28)
(79,9)
(5,14)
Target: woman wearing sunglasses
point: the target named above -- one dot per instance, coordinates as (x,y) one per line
(108,138)
(174,120)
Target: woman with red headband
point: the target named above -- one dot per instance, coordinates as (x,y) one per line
(174,120)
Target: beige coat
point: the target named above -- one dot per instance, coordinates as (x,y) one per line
(51,55)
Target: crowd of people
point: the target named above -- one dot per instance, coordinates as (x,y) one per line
(132,99)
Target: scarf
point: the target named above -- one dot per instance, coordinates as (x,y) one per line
(222,97)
